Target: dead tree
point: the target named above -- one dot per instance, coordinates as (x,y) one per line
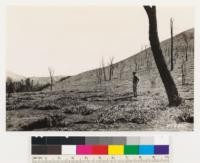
(186,40)
(172,43)
(51,73)
(175,55)
(111,68)
(9,87)
(169,84)
(121,70)
(166,53)
(183,71)
(103,69)
(136,65)
(99,75)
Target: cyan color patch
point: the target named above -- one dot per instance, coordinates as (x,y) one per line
(146,150)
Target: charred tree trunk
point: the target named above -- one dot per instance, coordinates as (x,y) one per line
(104,73)
(170,87)
(51,83)
(172,44)
(111,68)
(186,40)
(51,73)
(186,54)
(110,73)
(103,69)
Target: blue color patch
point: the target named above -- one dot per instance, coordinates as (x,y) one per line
(146,150)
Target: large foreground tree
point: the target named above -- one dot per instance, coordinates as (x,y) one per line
(169,84)
(172,43)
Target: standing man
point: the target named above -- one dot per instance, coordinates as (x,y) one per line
(135,83)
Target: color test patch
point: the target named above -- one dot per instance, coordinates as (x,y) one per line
(54,150)
(69,149)
(146,150)
(115,149)
(84,150)
(131,149)
(133,141)
(161,149)
(39,150)
(100,149)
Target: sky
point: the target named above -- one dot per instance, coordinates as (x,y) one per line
(73,39)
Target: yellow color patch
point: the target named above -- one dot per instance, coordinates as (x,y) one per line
(116,149)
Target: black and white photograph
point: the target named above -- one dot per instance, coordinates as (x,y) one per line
(99,68)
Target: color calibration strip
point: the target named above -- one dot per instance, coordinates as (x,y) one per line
(100,146)
(100,159)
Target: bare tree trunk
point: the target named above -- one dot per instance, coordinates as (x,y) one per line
(186,53)
(186,40)
(172,44)
(111,68)
(51,83)
(121,69)
(170,87)
(51,73)
(99,75)
(103,69)
(183,72)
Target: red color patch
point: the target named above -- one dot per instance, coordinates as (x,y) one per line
(100,149)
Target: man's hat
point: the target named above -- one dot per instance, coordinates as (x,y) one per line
(134,72)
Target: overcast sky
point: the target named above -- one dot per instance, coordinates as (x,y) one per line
(74,39)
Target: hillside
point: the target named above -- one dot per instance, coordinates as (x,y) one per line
(14,77)
(81,103)
(148,74)
(44,80)
(36,80)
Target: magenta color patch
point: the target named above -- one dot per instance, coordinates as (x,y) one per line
(83,149)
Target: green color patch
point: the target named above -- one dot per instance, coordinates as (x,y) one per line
(131,149)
